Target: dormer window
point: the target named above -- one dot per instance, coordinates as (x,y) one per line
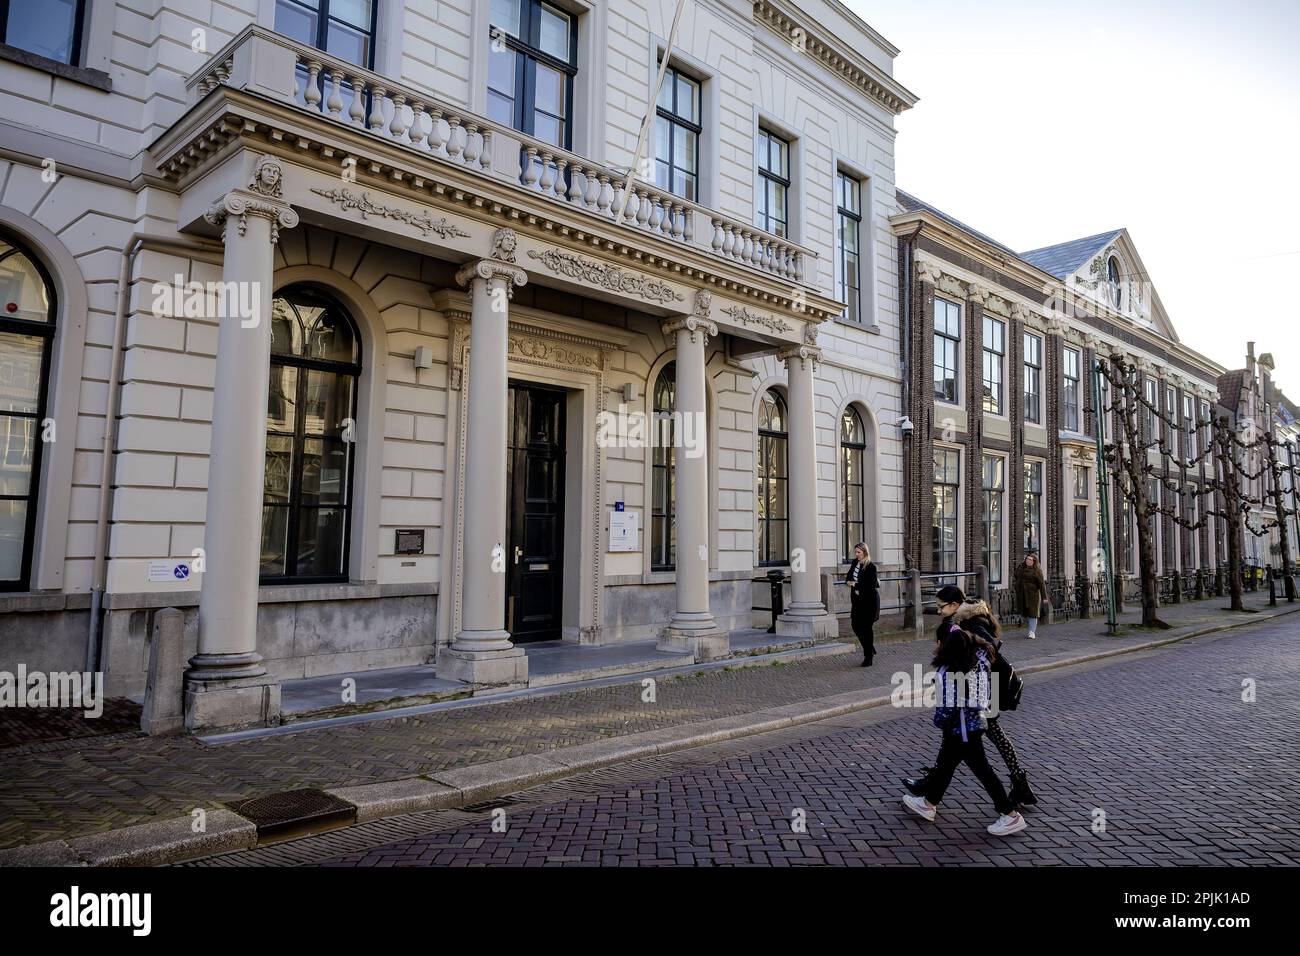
(1113,274)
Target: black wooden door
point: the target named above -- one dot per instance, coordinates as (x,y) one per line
(535,512)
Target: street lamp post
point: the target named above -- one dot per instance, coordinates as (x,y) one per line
(1103,488)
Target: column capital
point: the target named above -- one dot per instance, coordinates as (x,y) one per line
(1054,326)
(263,197)
(804,353)
(693,324)
(489,269)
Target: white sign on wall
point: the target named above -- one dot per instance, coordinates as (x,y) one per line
(161,571)
(624,531)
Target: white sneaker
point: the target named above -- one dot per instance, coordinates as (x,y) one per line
(1007,824)
(921,807)
(1032,635)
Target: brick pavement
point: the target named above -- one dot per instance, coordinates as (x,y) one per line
(1185,771)
(109,783)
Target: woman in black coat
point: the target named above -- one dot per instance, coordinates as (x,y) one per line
(864,592)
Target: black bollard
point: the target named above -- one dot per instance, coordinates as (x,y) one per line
(776,579)
(1272,588)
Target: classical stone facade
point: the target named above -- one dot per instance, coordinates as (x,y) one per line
(332,344)
(1002,458)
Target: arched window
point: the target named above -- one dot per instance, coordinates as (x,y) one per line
(663,545)
(1114,275)
(310,411)
(853,451)
(771,512)
(26,334)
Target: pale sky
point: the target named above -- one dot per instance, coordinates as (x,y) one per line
(1042,121)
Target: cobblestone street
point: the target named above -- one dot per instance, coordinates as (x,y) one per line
(1160,741)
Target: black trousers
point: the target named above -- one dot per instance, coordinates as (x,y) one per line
(971,752)
(866,635)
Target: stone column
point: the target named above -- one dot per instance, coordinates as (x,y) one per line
(807,615)
(226,684)
(482,653)
(692,628)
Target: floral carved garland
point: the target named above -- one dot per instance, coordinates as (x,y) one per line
(348,200)
(605,276)
(747,318)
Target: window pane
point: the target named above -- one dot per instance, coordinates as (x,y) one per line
(554,37)
(277,476)
(20,372)
(320,542)
(22,289)
(688,92)
(548,128)
(13,531)
(347,43)
(355,12)
(550,91)
(684,155)
(282,398)
(296,22)
(324,471)
(329,402)
(17,451)
(505,14)
(275,540)
(44,27)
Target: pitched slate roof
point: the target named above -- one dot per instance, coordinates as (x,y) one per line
(1064,258)
(910,203)
(1230,385)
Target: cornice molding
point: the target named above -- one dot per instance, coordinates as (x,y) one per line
(855,70)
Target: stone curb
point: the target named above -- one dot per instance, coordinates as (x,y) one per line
(171,841)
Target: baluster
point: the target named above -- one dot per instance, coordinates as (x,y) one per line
(593,187)
(417,132)
(473,145)
(688,225)
(547,182)
(561,184)
(529,173)
(679,220)
(719,237)
(456,142)
(729,243)
(335,103)
(606,198)
(576,192)
(437,135)
(770,253)
(397,128)
(486,159)
(656,217)
(311,92)
(377,93)
(358,109)
(642,207)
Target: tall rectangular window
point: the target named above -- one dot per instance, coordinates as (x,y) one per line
(48,28)
(947,487)
(677,135)
(1034,506)
(995,350)
(1081,491)
(1189,425)
(532,61)
(772,183)
(1171,414)
(1033,378)
(1205,417)
(848,238)
(947,333)
(1070,393)
(1149,390)
(994,486)
(342,28)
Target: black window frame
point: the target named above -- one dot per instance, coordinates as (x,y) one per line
(1035,472)
(663,470)
(675,122)
(989,518)
(850,444)
(768,179)
(79,31)
(1071,393)
(323,19)
(945,492)
(848,218)
(763,520)
(347,503)
(994,392)
(46,330)
(1033,373)
(947,335)
(530,54)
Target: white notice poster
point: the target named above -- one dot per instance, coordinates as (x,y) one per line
(624,533)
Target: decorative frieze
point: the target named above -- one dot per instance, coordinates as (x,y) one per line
(748,317)
(605,276)
(349,201)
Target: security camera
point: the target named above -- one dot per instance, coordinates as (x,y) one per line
(905,425)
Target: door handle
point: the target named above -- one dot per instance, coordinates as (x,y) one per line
(519,553)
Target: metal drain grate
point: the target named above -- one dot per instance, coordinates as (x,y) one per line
(484,806)
(293,813)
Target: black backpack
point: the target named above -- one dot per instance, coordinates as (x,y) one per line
(1010,684)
